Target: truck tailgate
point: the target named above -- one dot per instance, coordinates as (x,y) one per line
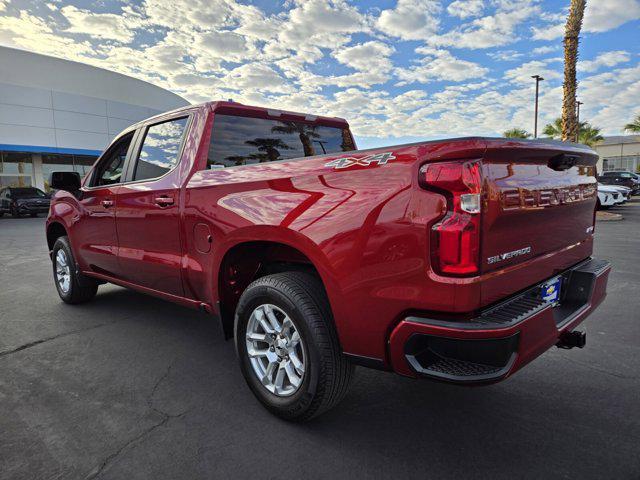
(539,200)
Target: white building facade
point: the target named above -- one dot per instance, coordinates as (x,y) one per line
(619,153)
(59,115)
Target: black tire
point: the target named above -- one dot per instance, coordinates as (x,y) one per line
(34,215)
(81,288)
(327,372)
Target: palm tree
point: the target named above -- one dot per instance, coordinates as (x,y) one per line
(633,127)
(553,130)
(270,146)
(588,134)
(516,133)
(570,85)
(305,133)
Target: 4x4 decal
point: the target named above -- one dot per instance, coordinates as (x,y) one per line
(346,162)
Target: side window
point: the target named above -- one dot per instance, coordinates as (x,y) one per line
(160,149)
(109,170)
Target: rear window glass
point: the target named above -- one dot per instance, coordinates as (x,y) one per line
(243,140)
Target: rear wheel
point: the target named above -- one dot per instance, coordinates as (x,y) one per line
(73,287)
(288,347)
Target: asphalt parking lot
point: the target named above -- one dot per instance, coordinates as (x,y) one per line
(131,387)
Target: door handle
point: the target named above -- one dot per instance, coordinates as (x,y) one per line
(163,201)
(107,203)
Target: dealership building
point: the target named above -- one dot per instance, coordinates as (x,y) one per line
(59,115)
(619,153)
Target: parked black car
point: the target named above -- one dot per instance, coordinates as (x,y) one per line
(621,178)
(23,201)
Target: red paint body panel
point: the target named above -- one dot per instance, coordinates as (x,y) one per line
(366,229)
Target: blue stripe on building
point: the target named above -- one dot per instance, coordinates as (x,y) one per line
(53,150)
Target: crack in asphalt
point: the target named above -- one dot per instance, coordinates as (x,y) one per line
(97,471)
(54,337)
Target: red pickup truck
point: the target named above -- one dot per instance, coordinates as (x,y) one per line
(458,260)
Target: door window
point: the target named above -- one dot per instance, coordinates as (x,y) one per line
(160,149)
(109,170)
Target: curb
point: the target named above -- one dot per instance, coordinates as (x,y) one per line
(608,217)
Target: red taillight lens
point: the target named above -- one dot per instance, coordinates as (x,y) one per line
(455,240)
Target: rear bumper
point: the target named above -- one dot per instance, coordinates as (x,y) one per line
(503,338)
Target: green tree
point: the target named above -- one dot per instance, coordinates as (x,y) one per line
(633,127)
(553,130)
(588,134)
(516,133)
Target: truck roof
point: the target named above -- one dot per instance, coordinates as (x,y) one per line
(239,109)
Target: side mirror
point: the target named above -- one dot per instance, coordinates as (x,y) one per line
(69,181)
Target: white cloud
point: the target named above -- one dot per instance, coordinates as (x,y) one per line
(506,55)
(606,59)
(523,73)
(288,59)
(223,45)
(100,25)
(600,16)
(439,65)
(620,88)
(609,14)
(366,56)
(33,33)
(410,19)
(490,31)
(256,76)
(466,8)
(545,49)
(548,32)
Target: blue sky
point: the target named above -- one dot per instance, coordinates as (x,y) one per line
(398,70)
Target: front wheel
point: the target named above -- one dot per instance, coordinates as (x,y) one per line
(73,287)
(288,347)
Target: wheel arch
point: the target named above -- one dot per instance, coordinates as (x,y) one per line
(249,259)
(55,230)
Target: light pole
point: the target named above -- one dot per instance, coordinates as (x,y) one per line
(578,103)
(535,121)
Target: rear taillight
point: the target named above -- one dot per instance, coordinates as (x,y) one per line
(455,240)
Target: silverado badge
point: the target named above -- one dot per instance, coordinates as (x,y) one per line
(506,256)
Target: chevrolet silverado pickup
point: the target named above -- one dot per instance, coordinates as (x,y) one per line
(457,260)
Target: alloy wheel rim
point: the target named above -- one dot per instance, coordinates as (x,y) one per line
(63,272)
(275,351)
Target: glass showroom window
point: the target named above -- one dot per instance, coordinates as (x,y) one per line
(65,163)
(15,169)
